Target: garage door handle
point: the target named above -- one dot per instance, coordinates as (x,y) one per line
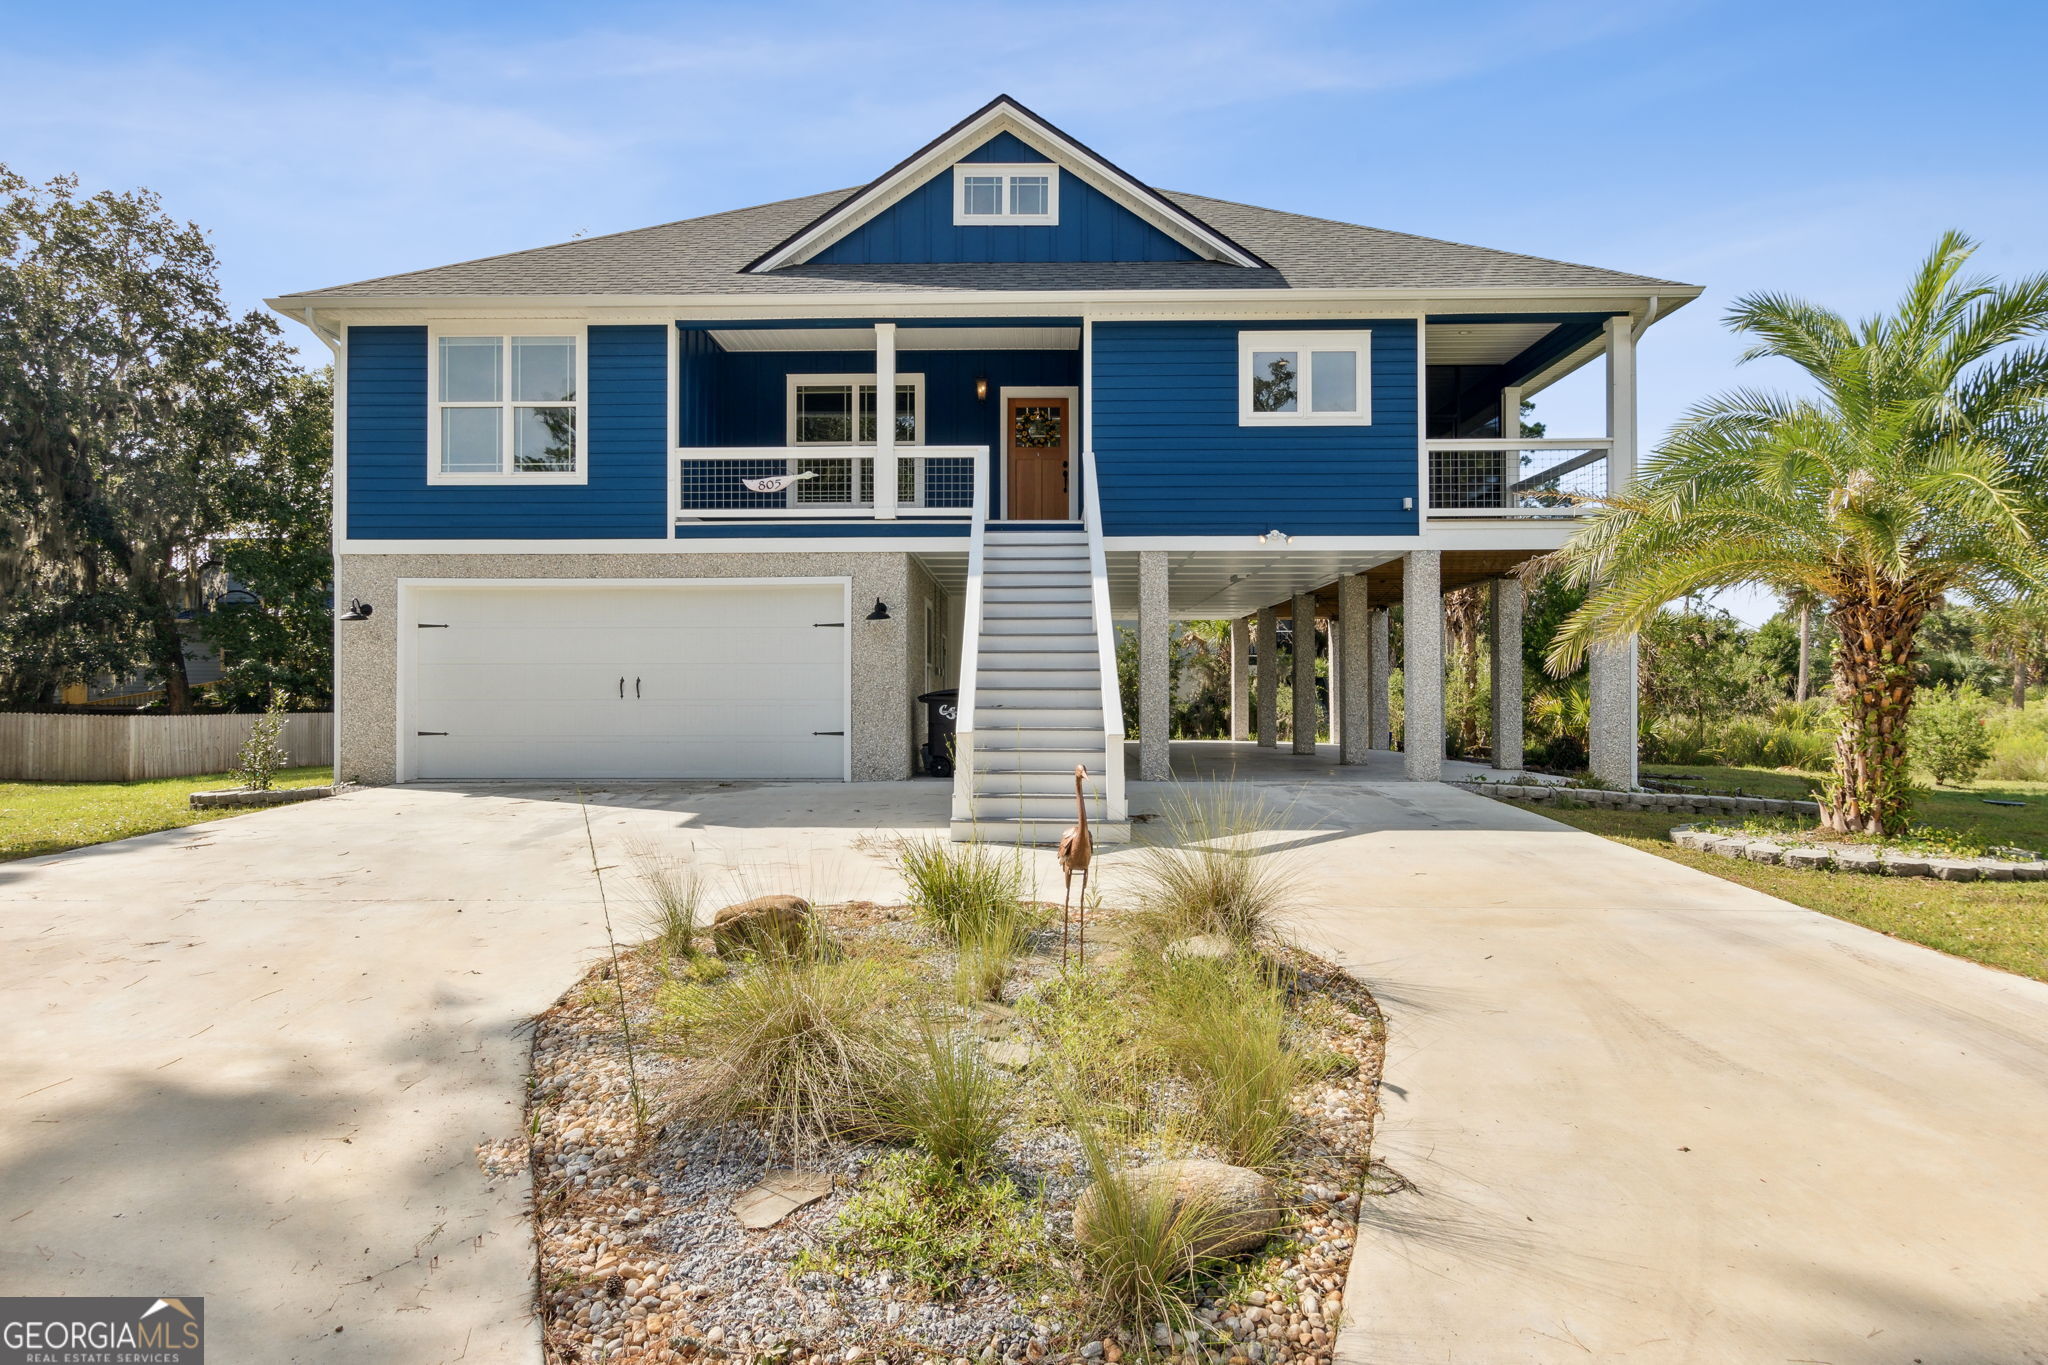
(430,732)
(636,688)
(828,732)
(622,687)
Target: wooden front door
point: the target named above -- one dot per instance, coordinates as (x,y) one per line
(1038,439)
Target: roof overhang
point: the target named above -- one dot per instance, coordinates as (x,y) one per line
(1004,115)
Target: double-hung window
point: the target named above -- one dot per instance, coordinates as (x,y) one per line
(507,406)
(841,410)
(985,194)
(1304,378)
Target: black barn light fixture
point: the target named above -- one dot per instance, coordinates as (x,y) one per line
(358,610)
(881,611)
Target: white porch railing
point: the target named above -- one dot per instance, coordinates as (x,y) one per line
(931,481)
(1116,806)
(970,658)
(1525,477)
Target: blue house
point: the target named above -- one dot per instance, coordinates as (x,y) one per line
(721,498)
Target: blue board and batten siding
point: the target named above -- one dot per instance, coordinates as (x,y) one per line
(626,409)
(919,228)
(1172,460)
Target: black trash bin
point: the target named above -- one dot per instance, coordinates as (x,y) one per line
(941,715)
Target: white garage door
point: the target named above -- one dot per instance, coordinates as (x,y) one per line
(697,681)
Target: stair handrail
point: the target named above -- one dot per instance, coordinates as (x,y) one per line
(970,646)
(1113,799)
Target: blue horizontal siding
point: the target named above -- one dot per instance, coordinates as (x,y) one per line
(811,530)
(626,409)
(1172,459)
(919,227)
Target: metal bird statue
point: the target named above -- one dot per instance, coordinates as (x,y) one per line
(1077,850)
(775,483)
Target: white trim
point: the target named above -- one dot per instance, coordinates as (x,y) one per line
(1358,343)
(1337,302)
(1006,116)
(1006,172)
(1421,422)
(1116,803)
(791,382)
(1502,535)
(674,402)
(765,543)
(337,535)
(886,467)
(1069,392)
(408,626)
(506,331)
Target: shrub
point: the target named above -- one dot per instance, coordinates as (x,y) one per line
(1947,735)
(1137,1248)
(1207,874)
(2019,747)
(963,890)
(950,1103)
(920,1221)
(806,1049)
(1223,1026)
(1744,743)
(1104,1062)
(263,755)
(989,945)
(668,890)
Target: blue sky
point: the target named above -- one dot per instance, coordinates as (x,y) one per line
(1810,147)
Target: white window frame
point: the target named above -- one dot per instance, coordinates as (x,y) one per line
(1357,342)
(505,331)
(795,381)
(1007,170)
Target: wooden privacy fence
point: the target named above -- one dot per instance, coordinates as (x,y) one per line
(55,748)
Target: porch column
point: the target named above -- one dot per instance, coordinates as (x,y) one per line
(1305,673)
(1380,685)
(1155,699)
(1354,669)
(1611,687)
(885,420)
(1269,678)
(1422,665)
(1240,677)
(1507,673)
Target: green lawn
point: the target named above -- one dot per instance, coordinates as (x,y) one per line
(2001,924)
(49,817)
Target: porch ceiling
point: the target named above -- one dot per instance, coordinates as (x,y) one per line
(1216,584)
(947,568)
(907,338)
(1479,343)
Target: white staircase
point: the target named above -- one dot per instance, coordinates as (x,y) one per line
(1033,694)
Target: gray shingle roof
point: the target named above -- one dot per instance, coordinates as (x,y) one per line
(706,256)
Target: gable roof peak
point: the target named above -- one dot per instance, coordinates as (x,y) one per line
(1003,114)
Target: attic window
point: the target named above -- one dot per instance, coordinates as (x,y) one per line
(986,194)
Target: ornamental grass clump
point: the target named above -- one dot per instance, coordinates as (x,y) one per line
(1140,1247)
(966,891)
(669,891)
(807,1050)
(1208,874)
(949,1103)
(1222,1025)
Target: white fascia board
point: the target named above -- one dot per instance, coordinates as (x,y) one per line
(683,545)
(1535,537)
(1055,147)
(1106,305)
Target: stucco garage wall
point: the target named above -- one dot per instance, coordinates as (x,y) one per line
(366,662)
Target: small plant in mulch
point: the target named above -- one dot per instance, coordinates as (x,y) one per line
(263,754)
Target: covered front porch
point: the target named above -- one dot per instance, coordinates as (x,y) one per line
(780,422)
(1227,760)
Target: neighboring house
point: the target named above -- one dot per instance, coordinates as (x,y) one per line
(1103,402)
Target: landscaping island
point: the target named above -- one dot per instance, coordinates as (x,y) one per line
(863,1132)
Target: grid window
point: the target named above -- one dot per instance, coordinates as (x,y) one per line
(508,407)
(987,195)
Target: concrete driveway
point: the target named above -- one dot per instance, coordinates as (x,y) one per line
(1650,1116)
(252,1060)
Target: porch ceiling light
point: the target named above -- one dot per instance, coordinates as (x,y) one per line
(357,611)
(1275,537)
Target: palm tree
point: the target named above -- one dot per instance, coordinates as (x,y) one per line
(1914,469)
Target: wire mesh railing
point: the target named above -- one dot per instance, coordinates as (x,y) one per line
(776,482)
(1516,478)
